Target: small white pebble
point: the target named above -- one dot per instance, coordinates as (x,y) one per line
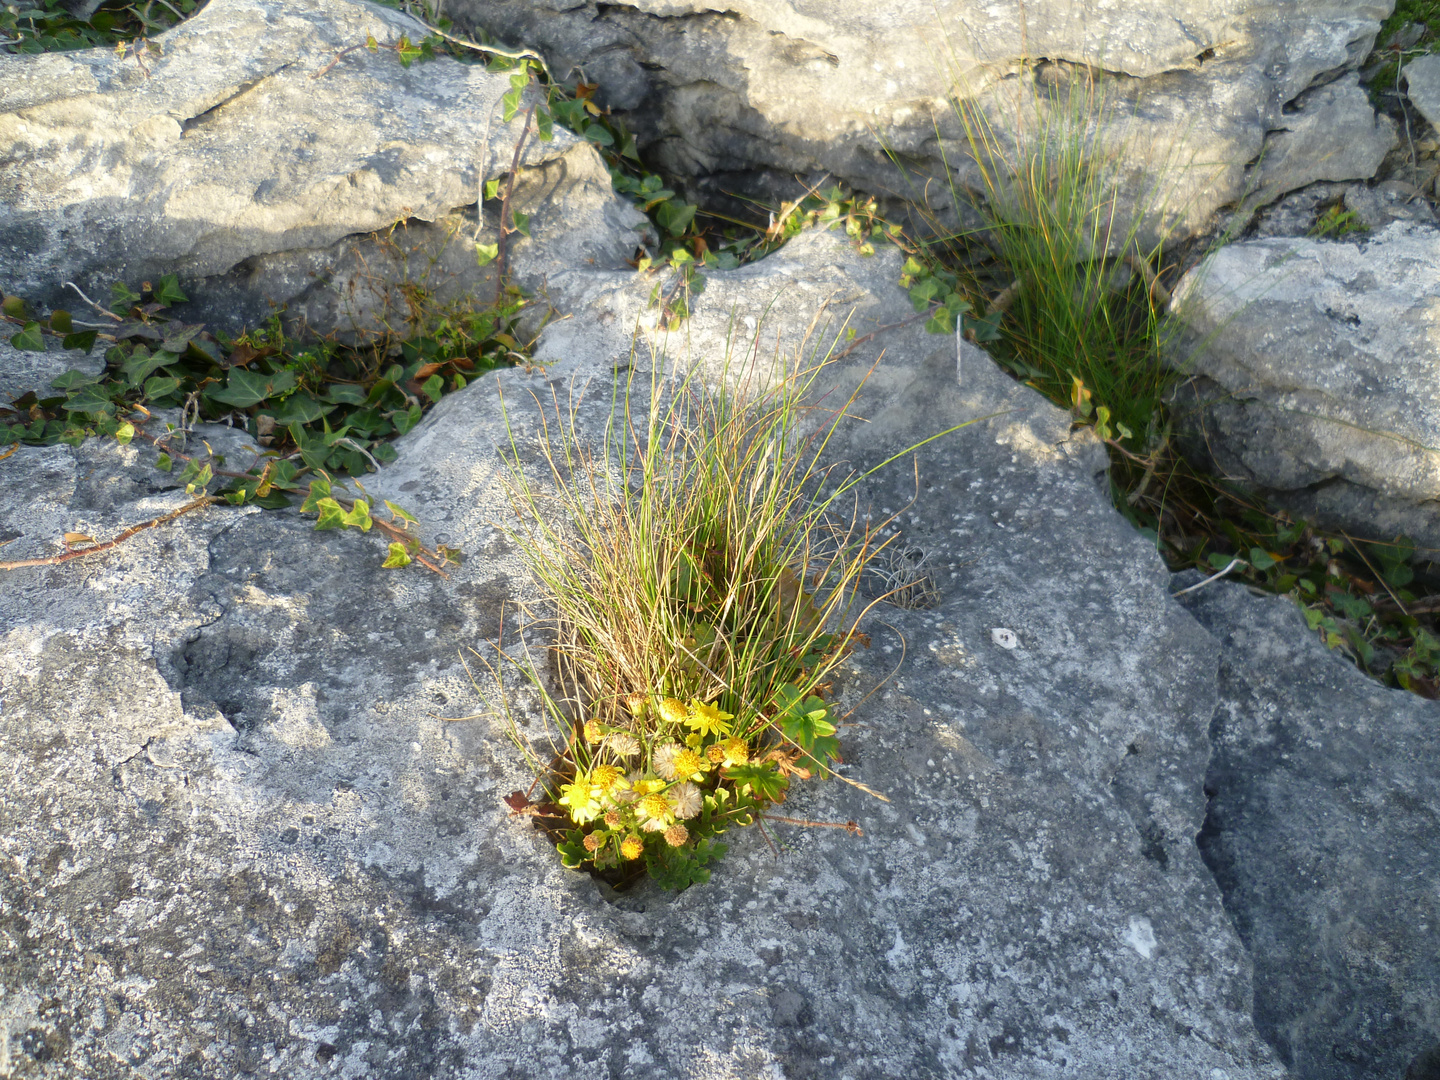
(1006,639)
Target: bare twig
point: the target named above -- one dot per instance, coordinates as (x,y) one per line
(1378,576)
(103,311)
(1008,296)
(502,256)
(1158,293)
(849,826)
(338,57)
(1213,577)
(879,330)
(95,549)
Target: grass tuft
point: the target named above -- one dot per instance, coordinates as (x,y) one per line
(702,590)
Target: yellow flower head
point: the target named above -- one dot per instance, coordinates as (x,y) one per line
(632,847)
(676,835)
(580,798)
(715,752)
(688,765)
(592,842)
(735,751)
(649,786)
(608,779)
(637,704)
(708,719)
(674,711)
(593,731)
(655,813)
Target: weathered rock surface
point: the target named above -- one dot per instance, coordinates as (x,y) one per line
(240,836)
(230,156)
(1324,835)
(1220,101)
(1422,86)
(1315,376)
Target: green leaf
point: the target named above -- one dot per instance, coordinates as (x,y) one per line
(485,254)
(763,782)
(160,386)
(29,339)
(168,291)
(319,489)
(14,307)
(597,134)
(545,124)
(511,103)
(141,364)
(359,516)
(89,399)
(492,188)
(73,380)
(201,480)
(124,433)
(433,387)
(675,219)
(521,222)
(246,388)
(84,340)
(398,557)
(345,394)
(396,512)
(60,322)
(404,421)
(300,409)
(1261,559)
(163,463)
(923,293)
(332,516)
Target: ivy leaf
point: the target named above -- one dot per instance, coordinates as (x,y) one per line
(60,322)
(13,306)
(73,380)
(345,394)
(163,463)
(124,433)
(485,254)
(675,219)
(396,512)
(168,291)
(246,388)
(359,516)
(300,409)
(160,386)
(319,489)
(202,478)
(433,387)
(89,399)
(398,557)
(332,515)
(29,339)
(122,298)
(84,340)
(522,222)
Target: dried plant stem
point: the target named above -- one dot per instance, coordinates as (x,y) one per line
(95,549)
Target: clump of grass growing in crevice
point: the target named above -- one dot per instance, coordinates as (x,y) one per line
(701,595)
(1074,279)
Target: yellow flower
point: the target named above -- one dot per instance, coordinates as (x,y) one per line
(688,765)
(655,813)
(648,786)
(593,731)
(676,835)
(708,719)
(608,779)
(673,711)
(637,704)
(735,751)
(716,753)
(632,847)
(580,798)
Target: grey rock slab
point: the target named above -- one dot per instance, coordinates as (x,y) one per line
(743,97)
(22,370)
(1314,366)
(1422,86)
(253,822)
(230,144)
(1322,833)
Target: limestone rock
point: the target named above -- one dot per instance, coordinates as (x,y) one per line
(231,146)
(745,95)
(1422,86)
(245,830)
(1314,369)
(1322,833)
